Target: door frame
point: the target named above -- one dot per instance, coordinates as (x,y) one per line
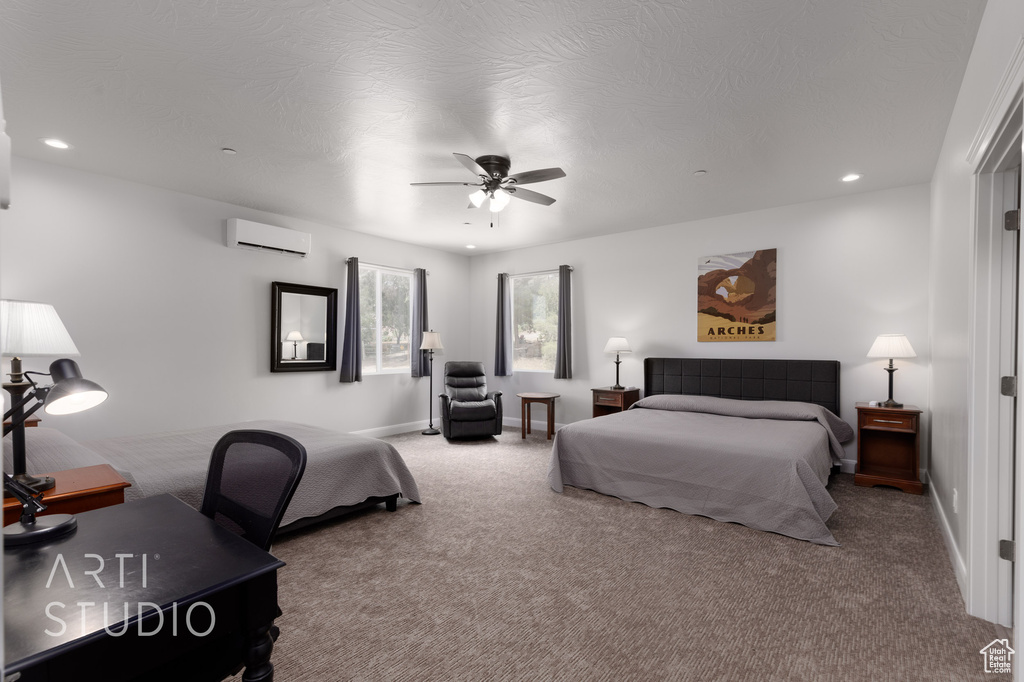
(988,580)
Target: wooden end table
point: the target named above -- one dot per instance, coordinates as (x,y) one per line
(530,398)
(76,490)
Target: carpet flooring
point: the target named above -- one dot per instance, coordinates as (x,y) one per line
(497,577)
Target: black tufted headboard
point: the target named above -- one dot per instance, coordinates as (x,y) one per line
(808,381)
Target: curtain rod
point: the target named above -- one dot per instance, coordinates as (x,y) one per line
(382,267)
(538,272)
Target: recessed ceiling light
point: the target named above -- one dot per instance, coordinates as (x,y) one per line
(228,150)
(851,177)
(54,142)
(470,246)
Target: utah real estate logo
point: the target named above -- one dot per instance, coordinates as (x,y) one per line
(998,656)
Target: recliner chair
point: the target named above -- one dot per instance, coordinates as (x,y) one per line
(467,409)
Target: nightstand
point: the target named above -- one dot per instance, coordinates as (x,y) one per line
(888,447)
(76,490)
(610,400)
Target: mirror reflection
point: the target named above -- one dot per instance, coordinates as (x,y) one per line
(304,326)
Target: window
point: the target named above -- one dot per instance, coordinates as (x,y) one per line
(534,321)
(385,313)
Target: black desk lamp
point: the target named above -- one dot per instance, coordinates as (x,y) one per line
(431,342)
(28,328)
(29,529)
(69,393)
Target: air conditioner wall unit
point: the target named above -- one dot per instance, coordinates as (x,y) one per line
(245,234)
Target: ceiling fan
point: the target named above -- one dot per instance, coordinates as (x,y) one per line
(497,185)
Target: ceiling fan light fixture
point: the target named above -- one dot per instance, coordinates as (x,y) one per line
(478,197)
(499,200)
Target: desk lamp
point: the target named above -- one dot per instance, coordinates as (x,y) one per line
(891,346)
(35,329)
(28,528)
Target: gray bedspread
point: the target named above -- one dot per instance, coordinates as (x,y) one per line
(764,464)
(342,469)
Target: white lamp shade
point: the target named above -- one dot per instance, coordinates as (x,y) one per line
(33,329)
(617,344)
(478,198)
(294,336)
(891,346)
(431,341)
(500,200)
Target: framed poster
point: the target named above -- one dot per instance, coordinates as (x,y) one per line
(736,297)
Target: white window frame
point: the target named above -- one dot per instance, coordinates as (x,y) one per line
(512,293)
(378,306)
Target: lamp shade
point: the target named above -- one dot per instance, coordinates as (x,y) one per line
(70,392)
(28,328)
(478,198)
(499,200)
(891,346)
(294,336)
(431,341)
(617,344)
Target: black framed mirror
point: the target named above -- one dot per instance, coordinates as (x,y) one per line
(303,328)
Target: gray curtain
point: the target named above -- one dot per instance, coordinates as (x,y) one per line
(352,350)
(503,333)
(563,346)
(419,359)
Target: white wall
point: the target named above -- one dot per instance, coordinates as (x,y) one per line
(175,325)
(848,270)
(951,244)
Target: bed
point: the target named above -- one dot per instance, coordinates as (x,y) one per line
(745,441)
(344,472)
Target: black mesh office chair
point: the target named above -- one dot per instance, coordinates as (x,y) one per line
(252,477)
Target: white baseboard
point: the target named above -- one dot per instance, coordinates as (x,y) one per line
(848,466)
(395,429)
(955,558)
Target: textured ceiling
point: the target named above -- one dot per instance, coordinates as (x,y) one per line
(335,107)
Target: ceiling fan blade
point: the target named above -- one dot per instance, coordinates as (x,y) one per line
(464,184)
(529,195)
(470,163)
(537,176)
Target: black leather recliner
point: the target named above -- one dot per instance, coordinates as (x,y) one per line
(467,409)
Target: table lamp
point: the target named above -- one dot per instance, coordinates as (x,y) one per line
(617,345)
(294,337)
(431,343)
(34,329)
(891,346)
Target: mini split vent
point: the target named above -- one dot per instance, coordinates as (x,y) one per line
(244,234)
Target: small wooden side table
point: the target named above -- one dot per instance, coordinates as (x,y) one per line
(76,490)
(610,400)
(530,398)
(888,447)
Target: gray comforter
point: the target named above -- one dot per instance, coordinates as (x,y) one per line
(341,469)
(764,464)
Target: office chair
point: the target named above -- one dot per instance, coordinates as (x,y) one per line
(252,477)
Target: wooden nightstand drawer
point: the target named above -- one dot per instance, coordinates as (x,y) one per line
(603,398)
(611,400)
(897,422)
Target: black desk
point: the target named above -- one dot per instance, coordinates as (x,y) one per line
(208,599)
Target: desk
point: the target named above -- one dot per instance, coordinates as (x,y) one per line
(546,398)
(162,558)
